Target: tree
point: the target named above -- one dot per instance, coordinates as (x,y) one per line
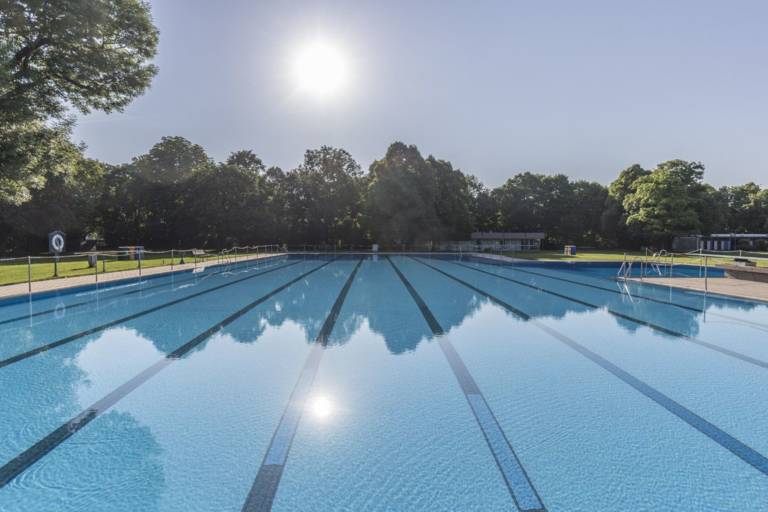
(324,197)
(86,54)
(667,201)
(152,194)
(68,202)
(626,183)
(613,221)
(30,153)
(223,207)
(747,208)
(91,54)
(535,202)
(171,161)
(583,223)
(484,209)
(401,198)
(246,160)
(453,200)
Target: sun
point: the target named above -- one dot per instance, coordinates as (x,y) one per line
(320,69)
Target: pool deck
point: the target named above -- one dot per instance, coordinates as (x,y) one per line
(739,288)
(15,290)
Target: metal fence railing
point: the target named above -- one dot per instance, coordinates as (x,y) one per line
(31,269)
(662,263)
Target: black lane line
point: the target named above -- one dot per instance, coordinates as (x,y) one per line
(264,488)
(37,451)
(79,304)
(656,327)
(76,336)
(724,439)
(638,296)
(518,482)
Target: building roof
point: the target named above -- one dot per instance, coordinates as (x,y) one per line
(506,235)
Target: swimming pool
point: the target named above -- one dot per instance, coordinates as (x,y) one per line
(383,383)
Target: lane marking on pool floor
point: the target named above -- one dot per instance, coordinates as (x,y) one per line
(73,337)
(111,288)
(617,292)
(37,451)
(517,480)
(724,439)
(711,346)
(265,485)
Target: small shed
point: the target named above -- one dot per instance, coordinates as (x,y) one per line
(507,241)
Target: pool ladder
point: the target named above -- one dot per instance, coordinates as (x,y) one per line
(625,270)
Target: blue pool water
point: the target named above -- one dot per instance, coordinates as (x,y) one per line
(384,383)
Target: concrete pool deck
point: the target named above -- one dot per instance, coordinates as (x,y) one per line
(47,285)
(738,288)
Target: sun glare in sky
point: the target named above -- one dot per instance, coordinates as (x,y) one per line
(320,69)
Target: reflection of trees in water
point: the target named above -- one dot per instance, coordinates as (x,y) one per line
(721,304)
(539,303)
(371,299)
(380,299)
(304,303)
(114,464)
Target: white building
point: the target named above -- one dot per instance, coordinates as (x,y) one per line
(497,241)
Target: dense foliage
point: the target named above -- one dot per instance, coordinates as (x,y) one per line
(58,56)
(175,195)
(97,55)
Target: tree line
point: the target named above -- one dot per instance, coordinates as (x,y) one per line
(91,55)
(176,195)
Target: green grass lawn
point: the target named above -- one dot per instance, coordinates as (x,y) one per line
(12,273)
(595,255)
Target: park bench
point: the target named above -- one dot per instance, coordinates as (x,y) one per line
(198,254)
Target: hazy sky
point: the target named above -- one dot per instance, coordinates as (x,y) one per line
(579,87)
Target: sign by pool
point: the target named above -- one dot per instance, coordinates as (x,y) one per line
(56,242)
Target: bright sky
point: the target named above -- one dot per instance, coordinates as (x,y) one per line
(585,88)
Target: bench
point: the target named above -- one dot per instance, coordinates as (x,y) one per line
(198,254)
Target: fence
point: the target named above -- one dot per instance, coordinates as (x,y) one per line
(662,263)
(30,269)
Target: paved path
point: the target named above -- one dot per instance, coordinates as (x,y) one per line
(12,290)
(721,285)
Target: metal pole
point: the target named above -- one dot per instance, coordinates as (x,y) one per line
(96,268)
(29,274)
(171,260)
(706,263)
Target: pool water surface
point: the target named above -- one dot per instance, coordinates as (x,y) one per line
(390,382)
